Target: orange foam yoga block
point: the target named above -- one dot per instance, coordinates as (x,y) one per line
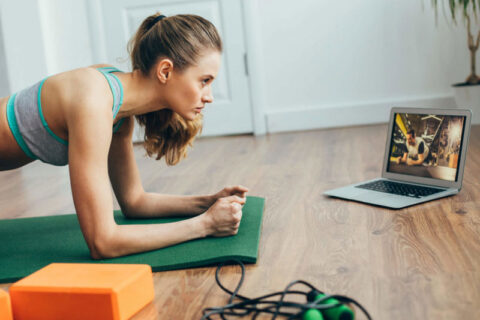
(5,307)
(83,291)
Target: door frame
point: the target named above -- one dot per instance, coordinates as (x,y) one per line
(253,44)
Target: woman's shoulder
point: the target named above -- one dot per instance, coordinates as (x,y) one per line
(85,74)
(86,83)
(80,76)
(81,89)
(101,65)
(90,74)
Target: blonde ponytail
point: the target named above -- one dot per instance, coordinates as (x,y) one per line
(181,38)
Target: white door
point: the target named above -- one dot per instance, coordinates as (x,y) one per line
(230,113)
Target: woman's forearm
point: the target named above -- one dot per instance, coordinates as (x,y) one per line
(111,240)
(150,205)
(130,239)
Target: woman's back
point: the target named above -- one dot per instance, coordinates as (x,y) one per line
(38,116)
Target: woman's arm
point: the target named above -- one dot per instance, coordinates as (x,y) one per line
(126,183)
(137,203)
(90,135)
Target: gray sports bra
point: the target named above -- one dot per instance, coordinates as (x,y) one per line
(31,131)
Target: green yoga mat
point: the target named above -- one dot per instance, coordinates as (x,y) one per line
(29,244)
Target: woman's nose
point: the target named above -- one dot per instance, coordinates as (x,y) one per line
(208,96)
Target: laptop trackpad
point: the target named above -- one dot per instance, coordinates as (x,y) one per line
(369,195)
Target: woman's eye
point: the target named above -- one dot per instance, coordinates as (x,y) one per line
(206,81)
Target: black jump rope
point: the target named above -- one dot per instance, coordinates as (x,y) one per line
(318,305)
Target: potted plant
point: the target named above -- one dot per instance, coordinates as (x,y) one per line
(467,94)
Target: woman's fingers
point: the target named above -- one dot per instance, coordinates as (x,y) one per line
(236,199)
(237,215)
(226,215)
(241,188)
(236,190)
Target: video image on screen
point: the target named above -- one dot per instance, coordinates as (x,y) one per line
(426,145)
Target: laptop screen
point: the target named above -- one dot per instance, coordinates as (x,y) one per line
(426,145)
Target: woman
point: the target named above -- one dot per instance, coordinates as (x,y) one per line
(68,118)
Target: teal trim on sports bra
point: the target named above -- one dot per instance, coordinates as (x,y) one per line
(121,95)
(112,69)
(62,141)
(45,124)
(12,123)
(109,70)
(118,125)
(113,90)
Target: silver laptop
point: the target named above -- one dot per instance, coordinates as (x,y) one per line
(424,159)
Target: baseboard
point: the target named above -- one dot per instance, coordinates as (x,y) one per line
(307,118)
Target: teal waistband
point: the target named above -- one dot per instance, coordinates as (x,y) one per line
(12,123)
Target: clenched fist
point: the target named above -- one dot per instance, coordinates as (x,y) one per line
(237,190)
(223,217)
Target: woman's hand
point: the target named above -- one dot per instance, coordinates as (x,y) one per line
(239,191)
(223,218)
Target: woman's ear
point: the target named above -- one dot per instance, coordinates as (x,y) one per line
(164,70)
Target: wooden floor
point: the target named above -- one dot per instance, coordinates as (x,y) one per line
(422,262)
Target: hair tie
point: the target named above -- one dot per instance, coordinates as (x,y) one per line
(158,18)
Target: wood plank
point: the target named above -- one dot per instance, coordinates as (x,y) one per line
(419,262)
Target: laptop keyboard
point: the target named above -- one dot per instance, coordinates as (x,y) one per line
(399,188)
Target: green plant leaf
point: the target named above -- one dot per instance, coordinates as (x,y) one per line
(452,8)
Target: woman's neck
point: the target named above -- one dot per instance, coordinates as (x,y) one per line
(140,94)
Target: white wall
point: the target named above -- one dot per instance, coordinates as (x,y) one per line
(330,63)
(22,42)
(42,37)
(323,63)
(66,36)
(4,85)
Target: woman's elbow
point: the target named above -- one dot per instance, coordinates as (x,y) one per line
(131,213)
(130,208)
(103,248)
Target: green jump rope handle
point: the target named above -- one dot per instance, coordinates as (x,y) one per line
(342,312)
(312,314)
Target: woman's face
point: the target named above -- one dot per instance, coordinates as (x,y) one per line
(191,89)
